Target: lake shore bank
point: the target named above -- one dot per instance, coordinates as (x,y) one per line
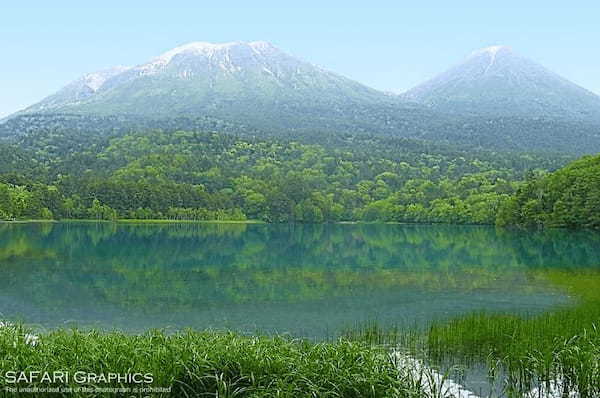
(194,363)
(134,221)
(167,221)
(312,281)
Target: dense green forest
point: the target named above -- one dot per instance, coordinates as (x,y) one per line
(469,132)
(569,197)
(204,175)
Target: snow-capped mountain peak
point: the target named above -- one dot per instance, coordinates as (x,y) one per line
(198,47)
(497,81)
(201,77)
(229,56)
(491,53)
(206,48)
(210,49)
(492,50)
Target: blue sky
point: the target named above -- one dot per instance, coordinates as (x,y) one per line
(389,45)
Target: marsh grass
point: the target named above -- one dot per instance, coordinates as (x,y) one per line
(212,364)
(551,354)
(559,348)
(409,339)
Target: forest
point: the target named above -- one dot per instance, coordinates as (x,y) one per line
(569,197)
(209,175)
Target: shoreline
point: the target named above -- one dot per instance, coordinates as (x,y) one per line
(167,221)
(429,380)
(133,221)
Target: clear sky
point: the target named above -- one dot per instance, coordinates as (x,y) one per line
(389,45)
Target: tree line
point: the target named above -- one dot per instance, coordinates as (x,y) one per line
(569,197)
(204,175)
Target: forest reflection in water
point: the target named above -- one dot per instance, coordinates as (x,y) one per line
(308,280)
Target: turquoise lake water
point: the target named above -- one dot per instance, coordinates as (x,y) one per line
(306,280)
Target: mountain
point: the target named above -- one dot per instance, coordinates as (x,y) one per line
(250,79)
(495,81)
(77,91)
(494,100)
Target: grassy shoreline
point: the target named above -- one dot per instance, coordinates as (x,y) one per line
(557,350)
(210,363)
(563,344)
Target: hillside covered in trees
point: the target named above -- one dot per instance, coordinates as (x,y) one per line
(244,130)
(185,175)
(569,197)
(494,99)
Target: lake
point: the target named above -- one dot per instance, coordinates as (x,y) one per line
(306,280)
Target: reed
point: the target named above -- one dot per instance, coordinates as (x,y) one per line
(559,349)
(550,354)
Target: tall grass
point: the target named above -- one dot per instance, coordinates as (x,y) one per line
(560,348)
(211,364)
(551,354)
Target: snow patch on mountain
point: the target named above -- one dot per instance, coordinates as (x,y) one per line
(206,77)
(199,48)
(219,53)
(491,50)
(95,80)
(492,53)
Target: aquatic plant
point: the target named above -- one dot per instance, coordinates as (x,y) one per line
(556,351)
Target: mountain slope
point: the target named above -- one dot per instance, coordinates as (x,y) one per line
(494,100)
(209,79)
(247,83)
(77,91)
(496,81)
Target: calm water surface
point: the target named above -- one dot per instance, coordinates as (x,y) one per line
(307,280)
